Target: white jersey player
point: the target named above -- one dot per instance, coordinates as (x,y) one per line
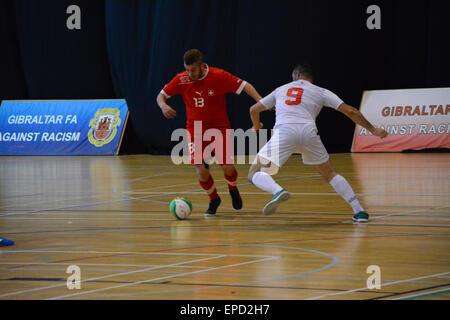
(297,105)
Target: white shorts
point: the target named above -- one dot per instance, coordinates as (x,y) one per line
(294,138)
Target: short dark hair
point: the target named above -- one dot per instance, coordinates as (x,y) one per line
(193,56)
(304,69)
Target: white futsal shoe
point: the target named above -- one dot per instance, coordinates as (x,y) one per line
(272,205)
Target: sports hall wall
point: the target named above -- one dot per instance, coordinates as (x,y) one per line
(130,49)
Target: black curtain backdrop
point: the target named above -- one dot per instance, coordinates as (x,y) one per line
(12,77)
(131,48)
(58,62)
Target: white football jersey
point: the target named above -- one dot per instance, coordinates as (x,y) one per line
(299,102)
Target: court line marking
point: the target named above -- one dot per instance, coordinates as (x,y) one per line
(162,278)
(157,219)
(194,191)
(425,294)
(62,208)
(123,184)
(190,284)
(113,201)
(116,190)
(85,204)
(241,192)
(409,212)
(127,198)
(108,276)
(297,193)
(117,271)
(334,262)
(176,272)
(307,175)
(138,253)
(88,264)
(151,213)
(321,220)
(385,284)
(55,210)
(282,214)
(387,206)
(34,203)
(252,217)
(238,228)
(90,195)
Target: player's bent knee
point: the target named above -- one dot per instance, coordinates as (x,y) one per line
(266,167)
(254,168)
(270,168)
(251,173)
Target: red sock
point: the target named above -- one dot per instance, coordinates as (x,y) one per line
(210,188)
(232,180)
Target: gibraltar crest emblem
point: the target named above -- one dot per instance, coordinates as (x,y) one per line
(103,127)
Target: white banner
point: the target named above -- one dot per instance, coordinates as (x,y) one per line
(414,118)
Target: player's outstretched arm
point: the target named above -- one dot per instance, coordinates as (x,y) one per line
(255,110)
(168,112)
(358,118)
(251,91)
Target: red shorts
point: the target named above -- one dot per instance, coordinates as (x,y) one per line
(215,143)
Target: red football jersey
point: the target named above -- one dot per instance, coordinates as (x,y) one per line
(205,98)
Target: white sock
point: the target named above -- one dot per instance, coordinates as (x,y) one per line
(265,182)
(343,188)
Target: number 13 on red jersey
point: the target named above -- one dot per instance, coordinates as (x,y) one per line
(199,102)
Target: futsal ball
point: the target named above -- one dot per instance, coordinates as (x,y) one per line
(180,208)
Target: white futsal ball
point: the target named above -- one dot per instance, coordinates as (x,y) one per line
(180,208)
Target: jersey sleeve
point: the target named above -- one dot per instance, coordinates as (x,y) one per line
(269,100)
(331,100)
(231,83)
(172,88)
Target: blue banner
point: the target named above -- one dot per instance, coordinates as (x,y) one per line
(63,127)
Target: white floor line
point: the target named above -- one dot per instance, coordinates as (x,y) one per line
(334,262)
(200,191)
(294,193)
(85,204)
(408,212)
(62,208)
(91,264)
(255,220)
(137,253)
(34,203)
(59,269)
(161,278)
(67,214)
(241,192)
(173,272)
(108,276)
(383,285)
(422,294)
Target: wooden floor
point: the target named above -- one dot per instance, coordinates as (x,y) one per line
(110,217)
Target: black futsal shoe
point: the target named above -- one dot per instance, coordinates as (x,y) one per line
(213,205)
(236,199)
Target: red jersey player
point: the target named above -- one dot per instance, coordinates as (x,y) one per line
(203,90)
